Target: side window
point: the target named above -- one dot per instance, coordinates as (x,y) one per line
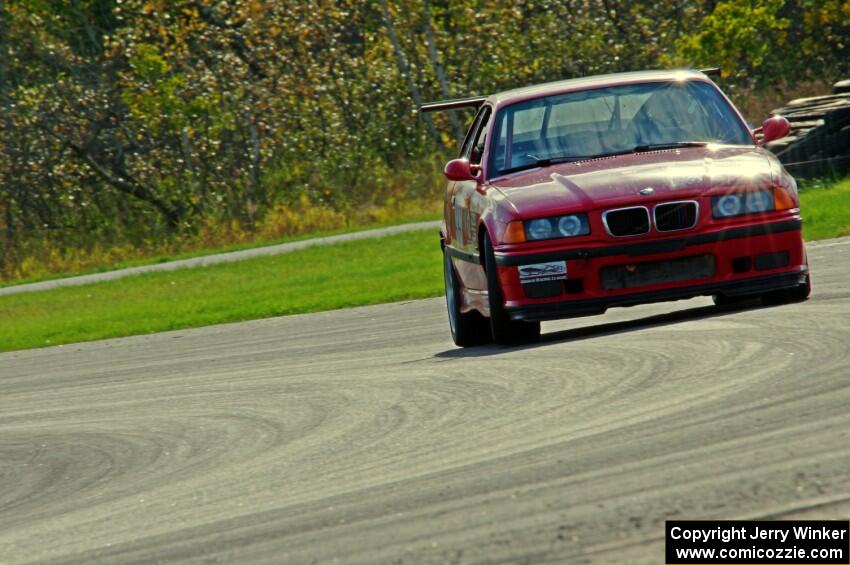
(471,133)
(477,149)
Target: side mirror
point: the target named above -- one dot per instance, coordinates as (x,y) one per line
(774,128)
(461,169)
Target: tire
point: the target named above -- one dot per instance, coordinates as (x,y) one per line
(470,328)
(842,141)
(732,302)
(505,331)
(841,87)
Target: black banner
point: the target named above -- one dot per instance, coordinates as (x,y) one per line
(805,542)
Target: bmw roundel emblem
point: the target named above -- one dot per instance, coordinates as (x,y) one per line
(646,191)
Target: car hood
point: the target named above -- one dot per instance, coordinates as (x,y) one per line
(617,180)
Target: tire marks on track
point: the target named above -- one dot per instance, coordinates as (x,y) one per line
(363,436)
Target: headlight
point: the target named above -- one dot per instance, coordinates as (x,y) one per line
(726,206)
(571,225)
(751,202)
(758,201)
(538,229)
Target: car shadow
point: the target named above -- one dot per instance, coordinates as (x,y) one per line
(606,329)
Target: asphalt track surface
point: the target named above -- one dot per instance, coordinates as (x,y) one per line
(364,436)
(217,258)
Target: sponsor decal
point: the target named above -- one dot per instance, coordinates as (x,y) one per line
(542,272)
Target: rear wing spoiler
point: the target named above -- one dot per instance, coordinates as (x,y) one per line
(476,101)
(453,104)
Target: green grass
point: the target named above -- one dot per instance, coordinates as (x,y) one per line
(392,268)
(356,273)
(826,209)
(136,262)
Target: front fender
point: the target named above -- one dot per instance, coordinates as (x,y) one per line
(496,217)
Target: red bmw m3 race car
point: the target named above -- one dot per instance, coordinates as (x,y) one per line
(571,197)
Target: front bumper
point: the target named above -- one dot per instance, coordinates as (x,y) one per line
(737,270)
(575,308)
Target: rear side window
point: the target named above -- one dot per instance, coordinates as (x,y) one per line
(480,137)
(472,133)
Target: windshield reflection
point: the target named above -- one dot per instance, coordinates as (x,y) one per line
(612,121)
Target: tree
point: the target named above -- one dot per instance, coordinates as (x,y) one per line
(152,120)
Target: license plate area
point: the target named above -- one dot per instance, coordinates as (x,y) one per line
(633,275)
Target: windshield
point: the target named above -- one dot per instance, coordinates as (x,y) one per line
(610,121)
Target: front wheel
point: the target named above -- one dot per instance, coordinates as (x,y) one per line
(732,302)
(469,328)
(505,331)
